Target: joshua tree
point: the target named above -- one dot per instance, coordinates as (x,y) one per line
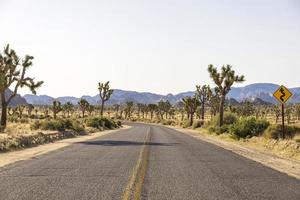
(191,104)
(224,80)
(13,73)
(116,108)
(91,109)
(163,108)
(105,92)
(128,109)
(144,110)
(152,108)
(204,94)
(30,108)
(56,108)
(20,110)
(68,108)
(277,112)
(83,106)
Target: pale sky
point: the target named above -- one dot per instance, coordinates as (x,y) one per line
(161,46)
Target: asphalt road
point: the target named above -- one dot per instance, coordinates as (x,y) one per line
(144,162)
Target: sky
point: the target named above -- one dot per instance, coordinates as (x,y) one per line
(161,46)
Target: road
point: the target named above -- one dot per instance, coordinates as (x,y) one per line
(144,162)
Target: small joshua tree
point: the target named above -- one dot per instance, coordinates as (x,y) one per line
(190,105)
(105,93)
(68,108)
(224,80)
(20,110)
(203,94)
(30,108)
(56,108)
(152,108)
(13,73)
(83,106)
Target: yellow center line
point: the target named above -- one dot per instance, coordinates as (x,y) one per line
(139,172)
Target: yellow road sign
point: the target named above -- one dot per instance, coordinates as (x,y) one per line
(282,94)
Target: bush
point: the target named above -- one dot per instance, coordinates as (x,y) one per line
(248,127)
(197,124)
(102,122)
(275,131)
(229,118)
(58,125)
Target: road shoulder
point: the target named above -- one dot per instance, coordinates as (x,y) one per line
(12,157)
(289,167)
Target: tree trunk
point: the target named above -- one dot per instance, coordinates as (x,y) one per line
(202,111)
(3,112)
(191,119)
(102,108)
(222,102)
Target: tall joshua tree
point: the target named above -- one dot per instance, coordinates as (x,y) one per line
(105,92)
(13,74)
(224,80)
(203,94)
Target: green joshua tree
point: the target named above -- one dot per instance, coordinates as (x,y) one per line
(20,110)
(91,109)
(224,80)
(30,108)
(105,93)
(13,74)
(190,105)
(152,109)
(163,108)
(203,93)
(56,108)
(68,108)
(116,108)
(128,109)
(83,106)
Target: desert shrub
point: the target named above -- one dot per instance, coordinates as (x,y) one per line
(24,121)
(101,122)
(14,119)
(218,130)
(229,118)
(185,123)
(35,125)
(248,127)
(275,131)
(54,125)
(57,125)
(197,124)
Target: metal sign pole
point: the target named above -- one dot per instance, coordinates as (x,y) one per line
(283,128)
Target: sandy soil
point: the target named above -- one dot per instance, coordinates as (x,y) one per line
(11,157)
(284,165)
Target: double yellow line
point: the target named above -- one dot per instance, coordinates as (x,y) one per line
(134,187)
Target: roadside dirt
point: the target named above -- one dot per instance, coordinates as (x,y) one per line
(11,157)
(287,166)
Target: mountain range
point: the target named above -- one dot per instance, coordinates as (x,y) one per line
(254,92)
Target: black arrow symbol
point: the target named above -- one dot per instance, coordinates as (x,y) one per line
(282,94)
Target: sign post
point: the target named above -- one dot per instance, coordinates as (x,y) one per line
(282,95)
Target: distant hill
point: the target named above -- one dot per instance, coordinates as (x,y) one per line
(260,93)
(17,100)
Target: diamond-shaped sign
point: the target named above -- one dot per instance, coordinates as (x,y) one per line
(282,94)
